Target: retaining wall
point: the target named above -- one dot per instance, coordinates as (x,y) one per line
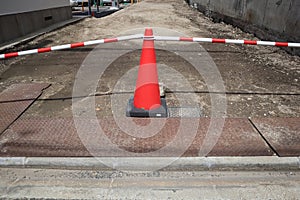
(267,19)
(21,17)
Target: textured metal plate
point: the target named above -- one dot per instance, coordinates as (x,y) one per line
(283,134)
(238,138)
(16,99)
(58,137)
(184,112)
(42,137)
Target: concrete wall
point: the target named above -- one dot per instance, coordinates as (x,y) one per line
(267,19)
(20,6)
(21,17)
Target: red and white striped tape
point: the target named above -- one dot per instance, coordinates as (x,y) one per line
(227,41)
(70,46)
(141,36)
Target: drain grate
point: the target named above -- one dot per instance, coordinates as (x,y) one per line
(188,112)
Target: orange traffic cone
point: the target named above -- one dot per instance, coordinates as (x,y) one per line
(146,101)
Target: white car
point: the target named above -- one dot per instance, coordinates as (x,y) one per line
(107,2)
(110,2)
(73,3)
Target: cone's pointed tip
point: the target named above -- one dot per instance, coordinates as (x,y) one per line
(148,32)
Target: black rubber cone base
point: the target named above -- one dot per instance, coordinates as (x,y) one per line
(160,112)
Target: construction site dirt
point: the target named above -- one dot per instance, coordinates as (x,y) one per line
(259,81)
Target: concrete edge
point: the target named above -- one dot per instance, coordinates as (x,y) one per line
(262,163)
(261,32)
(29,37)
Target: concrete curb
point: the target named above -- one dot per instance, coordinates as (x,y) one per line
(144,163)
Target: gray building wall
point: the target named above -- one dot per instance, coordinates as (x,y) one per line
(268,19)
(21,17)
